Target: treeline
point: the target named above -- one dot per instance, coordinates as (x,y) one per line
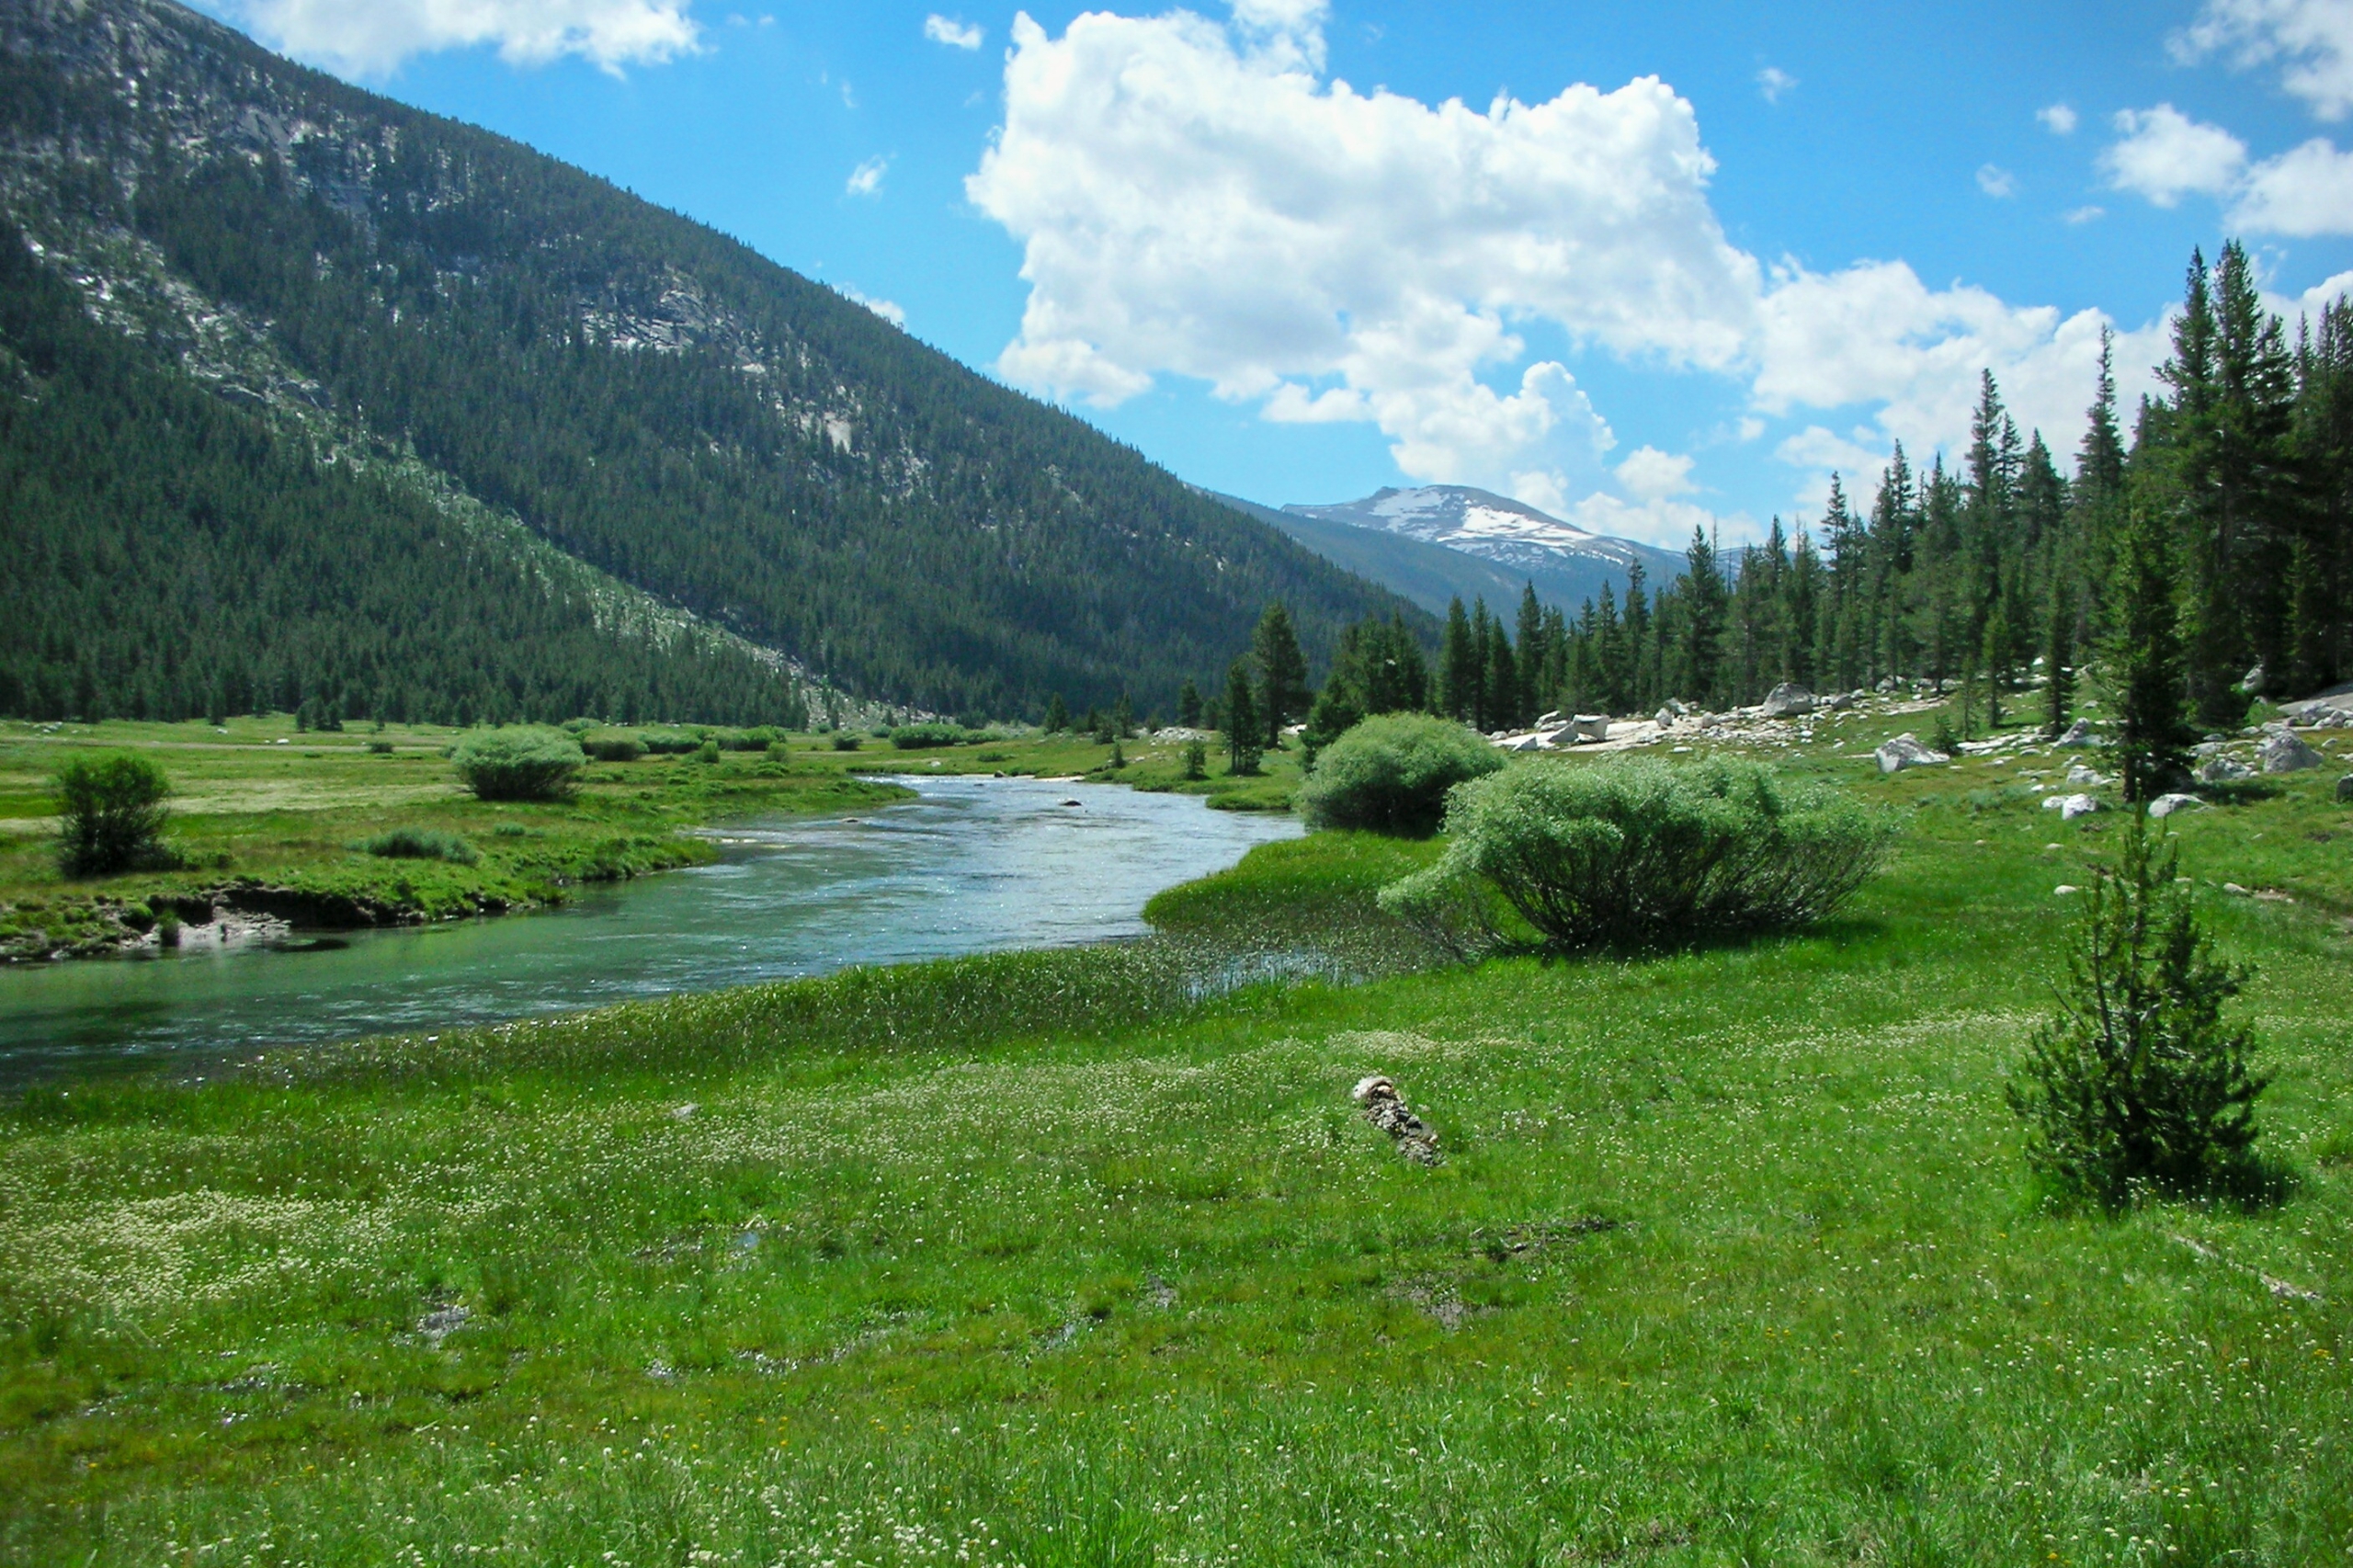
(170,556)
(2228,514)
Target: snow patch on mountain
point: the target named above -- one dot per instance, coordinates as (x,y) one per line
(1478,522)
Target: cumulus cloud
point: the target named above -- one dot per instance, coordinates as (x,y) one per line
(2304,192)
(1772,82)
(374,37)
(867,178)
(2311,39)
(1997,181)
(1193,197)
(954,34)
(2163,154)
(889,310)
(2059,119)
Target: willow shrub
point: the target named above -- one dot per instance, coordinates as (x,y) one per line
(110,813)
(1639,852)
(2139,1083)
(521,764)
(1390,774)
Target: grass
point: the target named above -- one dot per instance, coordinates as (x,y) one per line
(1062,1258)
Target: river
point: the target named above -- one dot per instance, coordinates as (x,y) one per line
(975,864)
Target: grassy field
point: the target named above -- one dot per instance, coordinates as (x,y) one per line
(1086,1258)
(267,818)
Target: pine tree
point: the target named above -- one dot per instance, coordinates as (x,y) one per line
(2058,651)
(1057,715)
(2144,651)
(1458,665)
(1282,673)
(1242,725)
(1188,705)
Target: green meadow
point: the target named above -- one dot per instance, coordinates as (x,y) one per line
(1086,1256)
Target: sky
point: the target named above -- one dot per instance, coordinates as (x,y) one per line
(1647,268)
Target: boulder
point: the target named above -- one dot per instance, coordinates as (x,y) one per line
(2079,774)
(2223,770)
(2070,807)
(2079,733)
(1521,743)
(1905,751)
(2255,682)
(1664,718)
(1788,699)
(1386,1109)
(2345,789)
(2165,805)
(1548,722)
(1592,726)
(2284,752)
(1841,702)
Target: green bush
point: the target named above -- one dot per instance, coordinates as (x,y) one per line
(750,740)
(422,844)
(519,763)
(1638,851)
(615,749)
(380,748)
(670,744)
(923,737)
(1392,774)
(111,815)
(844,741)
(2138,1084)
(706,752)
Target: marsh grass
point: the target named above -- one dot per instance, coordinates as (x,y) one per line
(1732,1258)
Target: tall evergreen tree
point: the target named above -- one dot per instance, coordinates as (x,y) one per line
(1242,725)
(2144,652)
(1282,673)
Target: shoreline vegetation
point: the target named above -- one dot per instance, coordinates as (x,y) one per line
(1729,1251)
(272,825)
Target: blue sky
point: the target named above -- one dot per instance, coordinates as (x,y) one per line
(1663,265)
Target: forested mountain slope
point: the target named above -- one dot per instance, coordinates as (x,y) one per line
(397,317)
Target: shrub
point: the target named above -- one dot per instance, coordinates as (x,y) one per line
(615,749)
(380,748)
(706,752)
(518,764)
(670,744)
(112,814)
(923,737)
(1641,851)
(1390,774)
(422,844)
(759,739)
(844,741)
(2137,1084)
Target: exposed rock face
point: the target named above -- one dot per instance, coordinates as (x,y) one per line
(1787,700)
(1905,751)
(2284,752)
(1385,1108)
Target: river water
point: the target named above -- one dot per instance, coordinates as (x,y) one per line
(976,865)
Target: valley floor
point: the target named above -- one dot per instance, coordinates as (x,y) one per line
(1069,1258)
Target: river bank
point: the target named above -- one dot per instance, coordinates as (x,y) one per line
(270,824)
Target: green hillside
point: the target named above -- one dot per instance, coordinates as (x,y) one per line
(493,334)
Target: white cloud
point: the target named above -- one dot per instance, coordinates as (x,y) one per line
(2164,156)
(867,178)
(2081,215)
(889,310)
(2059,119)
(1652,475)
(2312,39)
(954,34)
(2304,192)
(1664,523)
(1995,181)
(1773,82)
(372,38)
(1192,199)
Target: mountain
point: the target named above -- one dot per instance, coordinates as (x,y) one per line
(1566,564)
(1428,575)
(312,394)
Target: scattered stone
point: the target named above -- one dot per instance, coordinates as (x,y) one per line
(1905,751)
(1840,703)
(2165,805)
(2070,807)
(1788,698)
(2235,890)
(2223,770)
(1385,1108)
(2255,682)
(2079,774)
(2064,889)
(2079,733)
(684,1112)
(2325,716)
(1592,726)
(2272,895)
(2285,753)
(441,1323)
(2345,789)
